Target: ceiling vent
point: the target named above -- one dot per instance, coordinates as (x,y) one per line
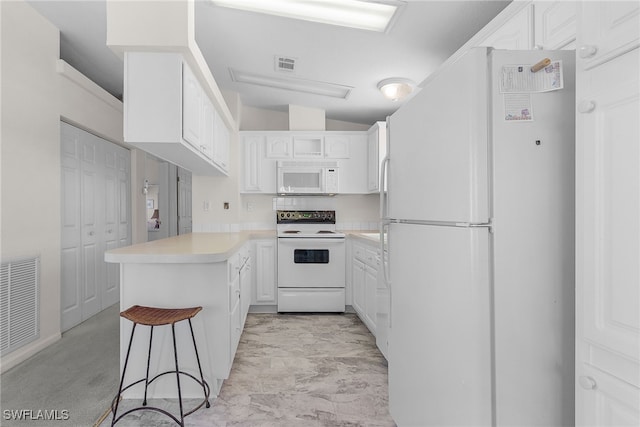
(284,63)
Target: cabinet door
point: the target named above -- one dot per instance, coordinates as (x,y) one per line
(191,107)
(336,146)
(607,30)
(357,277)
(517,33)
(245,289)
(208,128)
(371,285)
(221,143)
(555,24)
(373,163)
(279,147)
(265,282)
(608,241)
(308,146)
(252,160)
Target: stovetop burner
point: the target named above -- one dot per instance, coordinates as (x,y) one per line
(307,224)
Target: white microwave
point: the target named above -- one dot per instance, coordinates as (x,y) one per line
(308,177)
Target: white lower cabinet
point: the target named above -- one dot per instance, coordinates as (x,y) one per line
(264,279)
(364,282)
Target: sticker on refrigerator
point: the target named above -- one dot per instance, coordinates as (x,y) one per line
(521,78)
(517,107)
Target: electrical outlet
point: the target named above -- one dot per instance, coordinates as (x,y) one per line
(205,206)
(249,206)
(226,205)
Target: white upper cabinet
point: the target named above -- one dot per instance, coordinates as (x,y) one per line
(220,143)
(555,24)
(168,114)
(308,146)
(192,108)
(514,34)
(279,147)
(336,146)
(261,151)
(607,30)
(376,151)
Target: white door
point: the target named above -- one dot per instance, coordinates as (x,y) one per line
(111,289)
(440,366)
(446,130)
(607,212)
(92,208)
(71,254)
(95,182)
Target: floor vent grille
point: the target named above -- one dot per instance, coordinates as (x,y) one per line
(19,303)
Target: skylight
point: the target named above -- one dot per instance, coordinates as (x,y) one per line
(365,15)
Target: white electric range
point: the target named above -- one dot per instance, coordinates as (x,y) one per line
(311,262)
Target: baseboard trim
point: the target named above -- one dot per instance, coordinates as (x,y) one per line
(20,355)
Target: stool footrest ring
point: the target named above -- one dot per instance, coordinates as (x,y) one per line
(163,411)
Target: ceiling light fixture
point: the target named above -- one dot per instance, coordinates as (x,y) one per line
(365,15)
(293,84)
(395,88)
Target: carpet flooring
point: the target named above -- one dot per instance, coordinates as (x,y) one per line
(71,379)
(289,371)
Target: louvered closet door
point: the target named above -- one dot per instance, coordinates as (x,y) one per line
(95,217)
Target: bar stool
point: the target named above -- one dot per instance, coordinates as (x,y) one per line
(152,316)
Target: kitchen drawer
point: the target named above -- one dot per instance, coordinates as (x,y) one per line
(359,252)
(372,258)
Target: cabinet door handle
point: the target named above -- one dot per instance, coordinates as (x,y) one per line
(586,106)
(587,383)
(587,51)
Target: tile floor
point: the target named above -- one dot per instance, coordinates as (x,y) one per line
(294,370)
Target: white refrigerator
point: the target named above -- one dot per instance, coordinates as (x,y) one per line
(479,216)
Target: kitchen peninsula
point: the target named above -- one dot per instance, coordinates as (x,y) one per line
(198,269)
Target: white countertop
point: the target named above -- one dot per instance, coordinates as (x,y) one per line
(198,247)
(186,248)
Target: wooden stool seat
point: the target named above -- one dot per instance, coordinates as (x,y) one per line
(154,316)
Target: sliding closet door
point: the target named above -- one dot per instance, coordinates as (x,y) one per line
(95,218)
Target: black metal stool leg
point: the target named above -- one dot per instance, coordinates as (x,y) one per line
(175,353)
(146,378)
(124,371)
(195,347)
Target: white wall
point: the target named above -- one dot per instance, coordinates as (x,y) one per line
(31,157)
(35,97)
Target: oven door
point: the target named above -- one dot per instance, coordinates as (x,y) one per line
(311,262)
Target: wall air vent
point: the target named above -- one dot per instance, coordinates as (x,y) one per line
(284,63)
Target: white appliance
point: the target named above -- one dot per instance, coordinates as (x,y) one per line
(311,262)
(479,217)
(308,177)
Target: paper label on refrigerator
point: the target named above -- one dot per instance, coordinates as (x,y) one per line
(520,78)
(517,107)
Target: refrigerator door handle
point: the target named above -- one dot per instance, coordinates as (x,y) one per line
(384,194)
(385,258)
(488,225)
